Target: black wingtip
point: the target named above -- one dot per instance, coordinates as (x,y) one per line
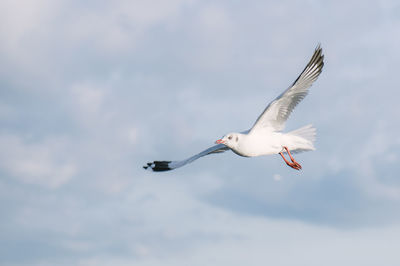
(158,166)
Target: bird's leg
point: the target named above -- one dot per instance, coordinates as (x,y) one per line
(292,159)
(293,164)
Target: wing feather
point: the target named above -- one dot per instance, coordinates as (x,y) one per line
(159,166)
(279,110)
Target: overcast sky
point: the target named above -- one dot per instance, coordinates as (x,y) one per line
(92,90)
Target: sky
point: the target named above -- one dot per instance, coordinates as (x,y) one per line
(92,90)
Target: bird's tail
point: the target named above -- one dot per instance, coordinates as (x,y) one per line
(307,133)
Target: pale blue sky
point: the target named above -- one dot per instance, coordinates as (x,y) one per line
(89,92)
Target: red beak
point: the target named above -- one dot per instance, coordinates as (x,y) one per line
(220,141)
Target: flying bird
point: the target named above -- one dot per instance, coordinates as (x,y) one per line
(266,136)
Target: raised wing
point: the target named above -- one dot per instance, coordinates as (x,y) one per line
(158,166)
(278,111)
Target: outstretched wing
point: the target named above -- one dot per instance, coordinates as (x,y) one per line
(278,111)
(158,166)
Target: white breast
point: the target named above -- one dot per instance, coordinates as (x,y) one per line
(263,143)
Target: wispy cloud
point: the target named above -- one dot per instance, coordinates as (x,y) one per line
(91,91)
(36,163)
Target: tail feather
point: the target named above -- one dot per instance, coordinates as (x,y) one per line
(307,133)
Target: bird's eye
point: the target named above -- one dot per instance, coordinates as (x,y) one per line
(230,137)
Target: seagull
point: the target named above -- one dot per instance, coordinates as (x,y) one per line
(266,136)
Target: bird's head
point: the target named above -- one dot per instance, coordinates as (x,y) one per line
(230,140)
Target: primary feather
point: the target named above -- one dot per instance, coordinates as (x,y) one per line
(278,111)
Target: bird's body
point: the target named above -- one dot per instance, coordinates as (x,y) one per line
(268,141)
(266,136)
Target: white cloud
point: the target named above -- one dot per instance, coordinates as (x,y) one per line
(124,80)
(277,177)
(18,20)
(88,97)
(27,31)
(116,27)
(132,135)
(215,19)
(35,163)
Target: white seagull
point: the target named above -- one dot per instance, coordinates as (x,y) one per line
(266,136)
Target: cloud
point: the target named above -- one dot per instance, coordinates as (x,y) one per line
(19,21)
(88,97)
(117,28)
(36,163)
(91,91)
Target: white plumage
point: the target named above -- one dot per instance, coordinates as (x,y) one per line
(266,136)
